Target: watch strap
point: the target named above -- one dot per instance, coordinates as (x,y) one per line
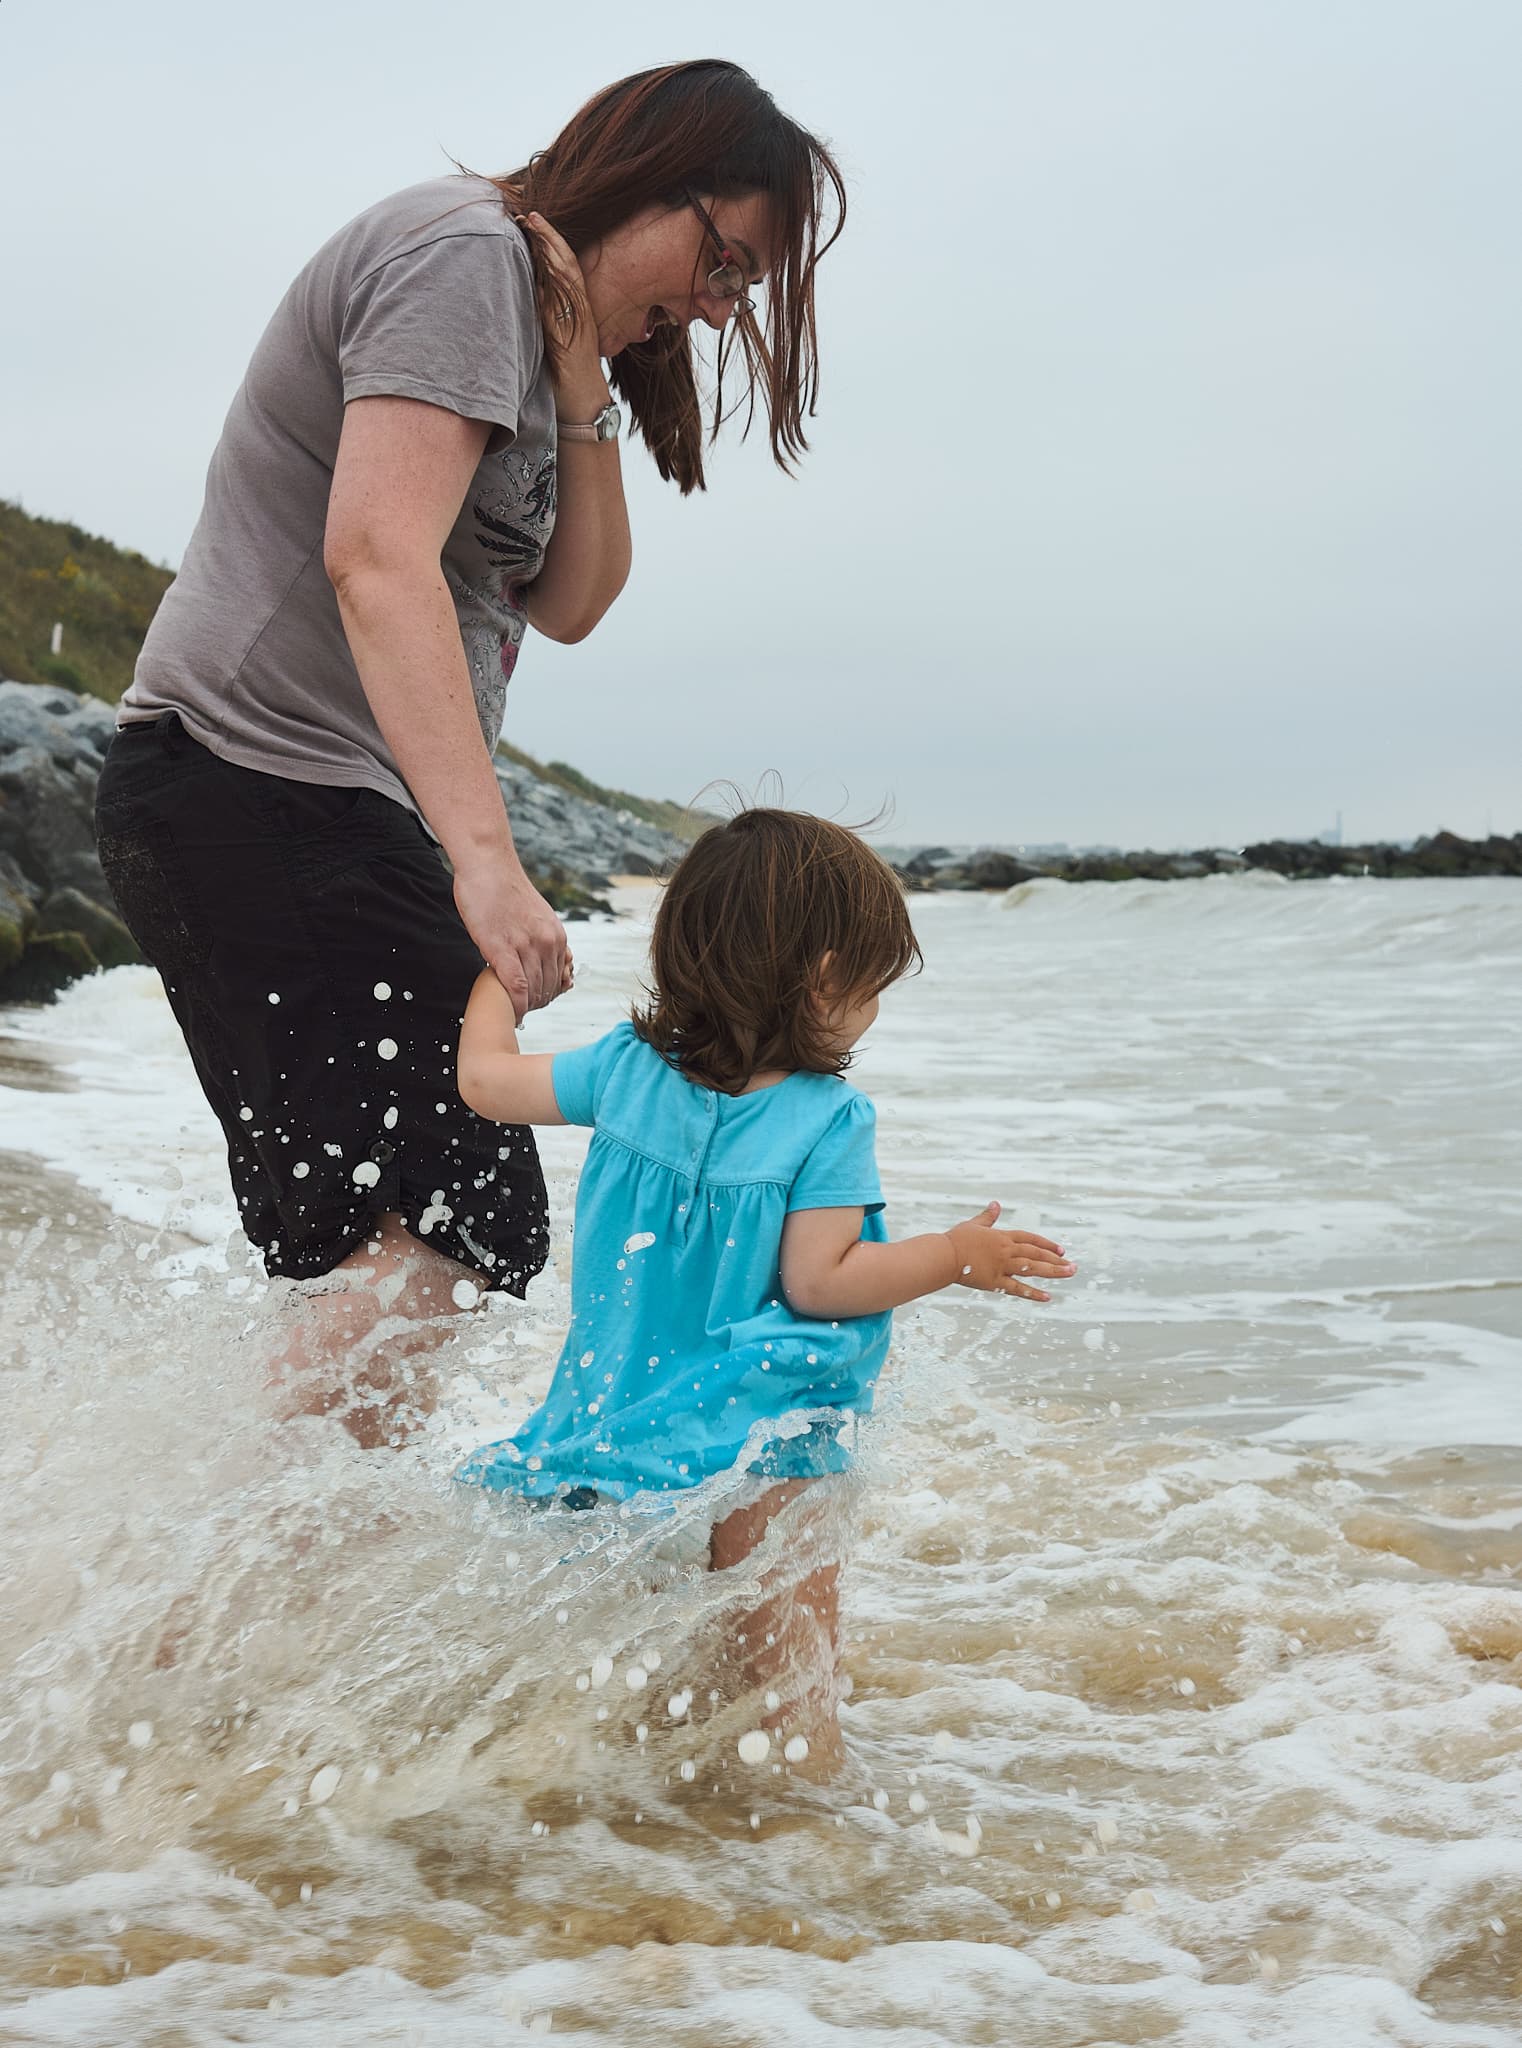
(604,428)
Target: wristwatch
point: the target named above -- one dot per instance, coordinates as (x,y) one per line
(604,428)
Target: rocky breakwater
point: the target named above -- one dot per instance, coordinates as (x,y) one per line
(1445,853)
(572,845)
(57,919)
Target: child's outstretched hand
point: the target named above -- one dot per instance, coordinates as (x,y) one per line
(994,1260)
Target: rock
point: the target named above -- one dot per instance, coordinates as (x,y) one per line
(929,859)
(554,829)
(567,895)
(69,910)
(46,819)
(60,723)
(50,962)
(52,742)
(994,870)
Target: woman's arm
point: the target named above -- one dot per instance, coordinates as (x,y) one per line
(399,479)
(495,1079)
(587,561)
(827,1271)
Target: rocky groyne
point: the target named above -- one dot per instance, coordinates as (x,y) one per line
(1445,853)
(57,919)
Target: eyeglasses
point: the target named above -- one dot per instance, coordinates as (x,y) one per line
(727,280)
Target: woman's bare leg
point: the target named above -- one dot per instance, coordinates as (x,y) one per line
(795,1629)
(355,1349)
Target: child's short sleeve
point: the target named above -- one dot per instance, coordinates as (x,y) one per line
(841,1170)
(578,1077)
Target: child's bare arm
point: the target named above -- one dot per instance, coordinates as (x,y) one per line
(495,1079)
(828,1271)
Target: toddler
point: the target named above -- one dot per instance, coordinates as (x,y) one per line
(731,1263)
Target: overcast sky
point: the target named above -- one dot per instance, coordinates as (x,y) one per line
(1165,487)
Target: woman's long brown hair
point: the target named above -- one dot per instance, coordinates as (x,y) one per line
(706,127)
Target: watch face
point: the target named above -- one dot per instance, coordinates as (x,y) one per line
(608,422)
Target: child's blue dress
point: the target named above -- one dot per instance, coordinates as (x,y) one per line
(681,1339)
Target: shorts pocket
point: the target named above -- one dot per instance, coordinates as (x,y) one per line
(147,878)
(326,832)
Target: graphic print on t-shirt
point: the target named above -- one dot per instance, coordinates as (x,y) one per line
(514,515)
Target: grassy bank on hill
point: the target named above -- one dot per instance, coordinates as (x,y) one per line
(51,573)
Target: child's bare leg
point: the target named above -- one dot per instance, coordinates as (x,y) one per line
(795,1629)
(336,1361)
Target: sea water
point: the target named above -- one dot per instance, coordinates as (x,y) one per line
(1183,1628)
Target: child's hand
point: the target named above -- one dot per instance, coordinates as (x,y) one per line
(991,1260)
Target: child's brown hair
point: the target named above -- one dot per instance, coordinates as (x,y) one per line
(745,921)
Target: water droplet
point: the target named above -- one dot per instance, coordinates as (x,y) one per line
(386,1047)
(755,1746)
(465,1294)
(300,1170)
(140,1734)
(273,997)
(688,1772)
(602,1669)
(382,991)
(1093,1340)
(795,1749)
(636,1677)
(324,1784)
(366,1174)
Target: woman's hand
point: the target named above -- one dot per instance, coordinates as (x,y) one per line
(991,1259)
(520,938)
(570,332)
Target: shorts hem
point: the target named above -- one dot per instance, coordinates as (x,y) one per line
(316,1265)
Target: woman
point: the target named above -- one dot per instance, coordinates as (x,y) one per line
(422,461)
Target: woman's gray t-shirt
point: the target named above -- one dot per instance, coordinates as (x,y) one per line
(428,295)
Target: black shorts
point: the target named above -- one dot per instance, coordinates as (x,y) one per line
(310,948)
